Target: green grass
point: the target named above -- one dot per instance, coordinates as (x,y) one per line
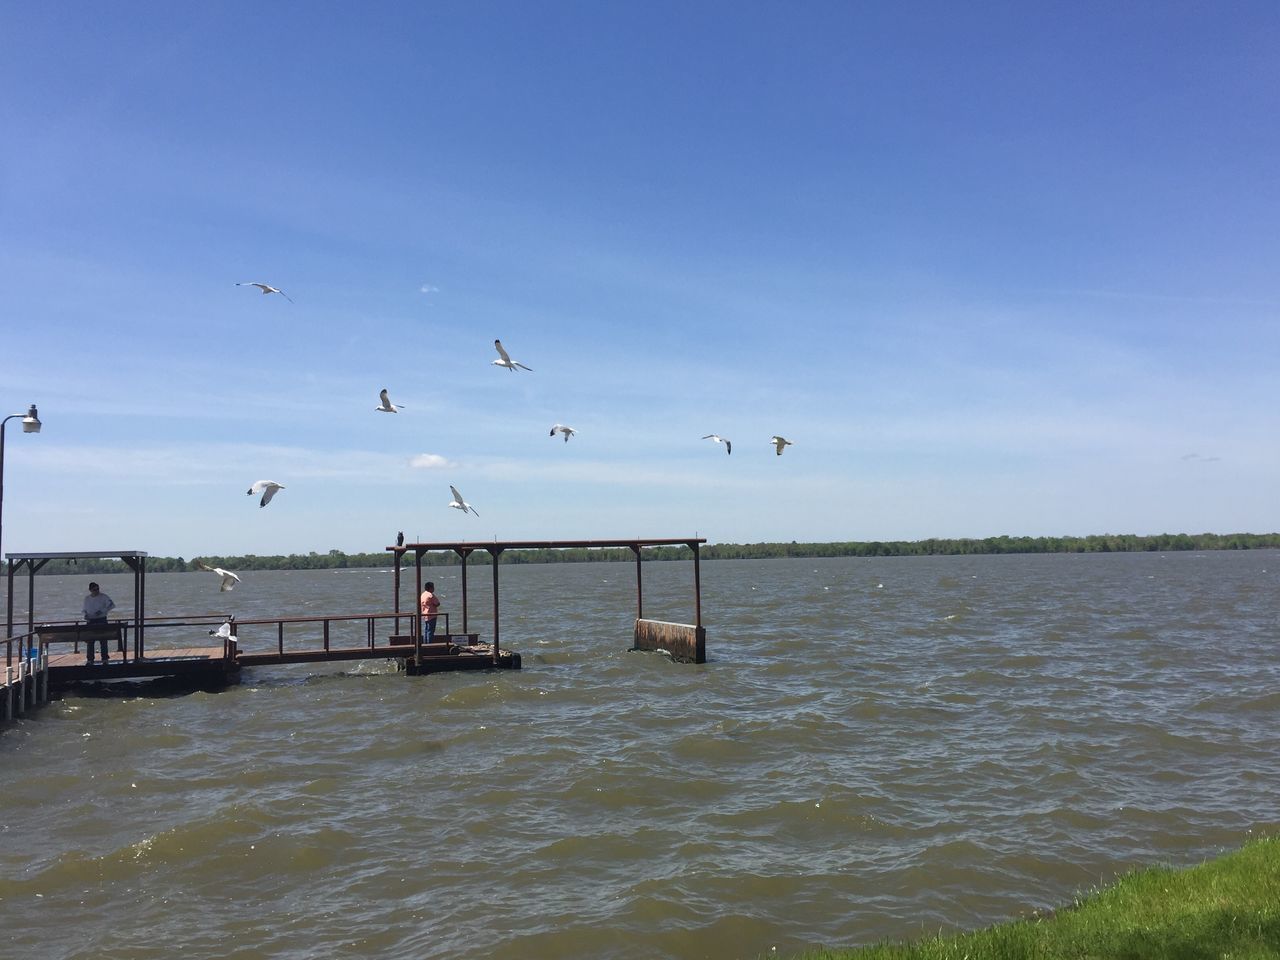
(1226,908)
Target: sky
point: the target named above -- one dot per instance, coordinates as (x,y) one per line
(992,268)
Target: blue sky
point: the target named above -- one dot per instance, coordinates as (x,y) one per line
(994,269)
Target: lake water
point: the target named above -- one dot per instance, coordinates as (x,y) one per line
(876,748)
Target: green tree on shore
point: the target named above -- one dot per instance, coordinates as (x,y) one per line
(1004,544)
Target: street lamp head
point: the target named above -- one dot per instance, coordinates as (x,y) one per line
(31,422)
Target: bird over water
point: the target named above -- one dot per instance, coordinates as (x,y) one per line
(387,406)
(728,446)
(229,579)
(505,361)
(266,288)
(458,503)
(267,488)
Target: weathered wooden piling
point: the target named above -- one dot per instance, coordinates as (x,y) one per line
(683,641)
(26,681)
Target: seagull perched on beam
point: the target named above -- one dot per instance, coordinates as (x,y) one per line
(387,406)
(229,579)
(779,443)
(460,504)
(568,431)
(266,288)
(728,447)
(267,488)
(506,361)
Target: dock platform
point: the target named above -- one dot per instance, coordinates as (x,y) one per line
(210,649)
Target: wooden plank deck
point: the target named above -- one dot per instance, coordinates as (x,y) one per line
(196,662)
(208,664)
(436,657)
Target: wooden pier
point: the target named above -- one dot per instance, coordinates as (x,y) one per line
(210,650)
(24,685)
(682,641)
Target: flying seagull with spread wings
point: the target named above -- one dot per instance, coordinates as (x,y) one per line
(266,288)
(567,430)
(506,361)
(728,447)
(229,579)
(387,406)
(224,632)
(460,504)
(779,443)
(267,488)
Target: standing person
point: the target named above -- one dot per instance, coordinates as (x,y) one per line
(96,607)
(429,603)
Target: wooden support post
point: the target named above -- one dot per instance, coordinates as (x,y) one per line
(635,548)
(697,588)
(417,608)
(464,554)
(31,596)
(396,587)
(140,604)
(495,552)
(8,610)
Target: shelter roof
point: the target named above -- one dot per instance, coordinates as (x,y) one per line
(77,555)
(549,544)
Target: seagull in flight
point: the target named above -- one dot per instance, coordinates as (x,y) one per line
(387,405)
(460,504)
(266,288)
(506,361)
(567,430)
(229,579)
(779,443)
(224,632)
(728,447)
(267,488)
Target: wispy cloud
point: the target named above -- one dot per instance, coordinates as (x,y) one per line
(428,288)
(431,461)
(218,463)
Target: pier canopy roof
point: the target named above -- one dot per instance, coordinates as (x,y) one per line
(471,546)
(135,560)
(125,555)
(495,548)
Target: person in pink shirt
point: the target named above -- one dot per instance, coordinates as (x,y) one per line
(428,603)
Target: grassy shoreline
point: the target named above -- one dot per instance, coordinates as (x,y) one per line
(933,547)
(1228,907)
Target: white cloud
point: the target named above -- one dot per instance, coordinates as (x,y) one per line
(431,461)
(428,288)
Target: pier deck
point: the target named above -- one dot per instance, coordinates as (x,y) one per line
(216,665)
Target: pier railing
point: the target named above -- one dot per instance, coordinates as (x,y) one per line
(24,681)
(326,633)
(279,635)
(184,632)
(18,647)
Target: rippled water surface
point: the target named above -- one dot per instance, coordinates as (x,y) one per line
(877,748)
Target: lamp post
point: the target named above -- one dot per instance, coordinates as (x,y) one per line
(30,424)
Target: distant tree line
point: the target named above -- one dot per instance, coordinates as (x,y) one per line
(337,560)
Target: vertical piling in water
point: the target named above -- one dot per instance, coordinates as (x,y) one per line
(20,698)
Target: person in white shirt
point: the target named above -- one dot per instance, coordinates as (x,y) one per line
(96,607)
